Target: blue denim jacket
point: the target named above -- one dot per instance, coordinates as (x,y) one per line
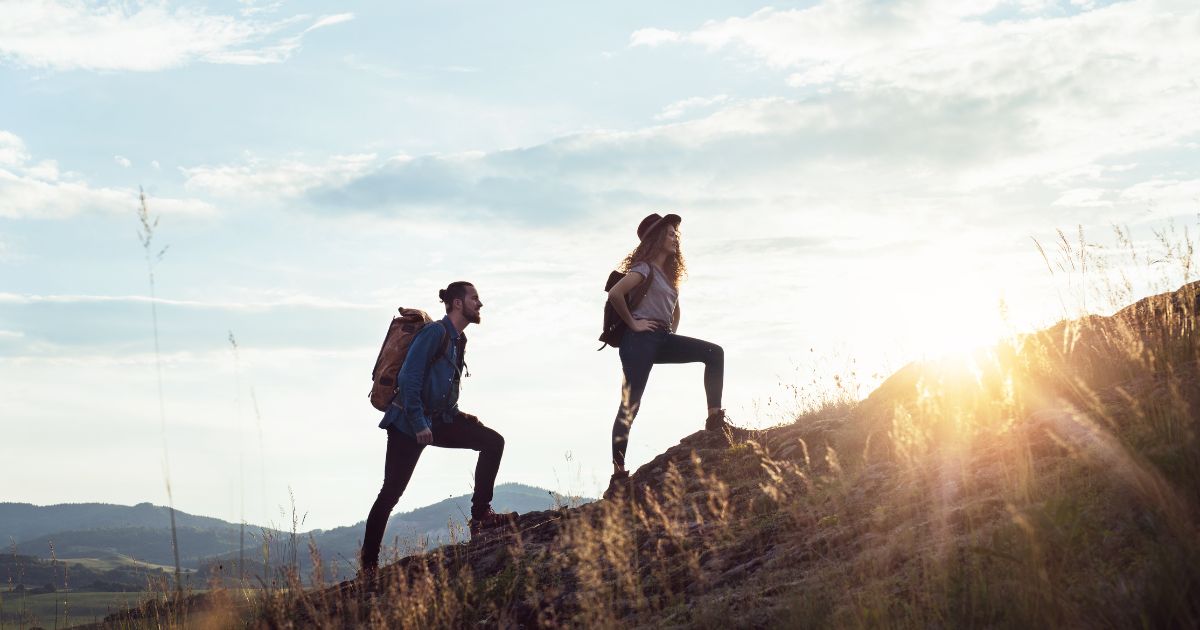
(421,399)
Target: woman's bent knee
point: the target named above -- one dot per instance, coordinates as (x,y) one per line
(496,442)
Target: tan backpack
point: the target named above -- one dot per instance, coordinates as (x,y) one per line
(400,334)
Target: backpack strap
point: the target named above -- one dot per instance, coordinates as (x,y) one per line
(639,292)
(443,345)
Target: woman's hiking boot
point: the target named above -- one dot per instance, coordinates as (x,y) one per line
(718,421)
(489,520)
(618,484)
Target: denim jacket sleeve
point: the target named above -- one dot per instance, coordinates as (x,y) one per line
(413,374)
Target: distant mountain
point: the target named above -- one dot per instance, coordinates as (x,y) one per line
(142,532)
(22,521)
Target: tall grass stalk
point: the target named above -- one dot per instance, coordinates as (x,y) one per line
(237,382)
(146,237)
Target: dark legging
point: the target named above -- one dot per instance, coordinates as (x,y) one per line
(402,454)
(639,352)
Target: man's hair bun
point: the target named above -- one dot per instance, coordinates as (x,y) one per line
(456,291)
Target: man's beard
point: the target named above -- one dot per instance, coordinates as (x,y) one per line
(471,316)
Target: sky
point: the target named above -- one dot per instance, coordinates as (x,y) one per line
(862,184)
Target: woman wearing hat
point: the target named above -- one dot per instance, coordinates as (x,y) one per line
(650,337)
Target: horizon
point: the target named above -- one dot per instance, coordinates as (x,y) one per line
(395,513)
(861,186)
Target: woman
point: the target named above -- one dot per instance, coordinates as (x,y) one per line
(650,337)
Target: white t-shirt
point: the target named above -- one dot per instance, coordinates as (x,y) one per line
(659,303)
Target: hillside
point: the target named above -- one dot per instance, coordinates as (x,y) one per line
(1051,481)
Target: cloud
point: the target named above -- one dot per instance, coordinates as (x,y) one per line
(1051,79)
(679,108)
(330,20)
(358,63)
(652,37)
(280,179)
(119,325)
(124,162)
(1180,195)
(842,153)
(12,150)
(142,36)
(1084,198)
(37,190)
(292,300)
(923,110)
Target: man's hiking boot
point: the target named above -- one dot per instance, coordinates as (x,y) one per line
(490,520)
(617,484)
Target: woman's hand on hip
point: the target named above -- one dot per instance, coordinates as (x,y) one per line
(645,325)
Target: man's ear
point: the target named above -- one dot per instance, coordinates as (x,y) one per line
(458,303)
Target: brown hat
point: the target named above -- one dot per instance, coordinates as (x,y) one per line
(651,222)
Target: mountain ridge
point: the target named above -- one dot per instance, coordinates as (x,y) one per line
(142,531)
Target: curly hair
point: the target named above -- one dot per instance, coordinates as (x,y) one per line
(676,269)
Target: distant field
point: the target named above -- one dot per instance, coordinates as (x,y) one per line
(117,561)
(83,608)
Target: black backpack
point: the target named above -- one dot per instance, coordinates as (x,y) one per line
(614,326)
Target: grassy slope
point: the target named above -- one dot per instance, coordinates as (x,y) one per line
(1053,481)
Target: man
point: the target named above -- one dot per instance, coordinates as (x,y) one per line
(425,411)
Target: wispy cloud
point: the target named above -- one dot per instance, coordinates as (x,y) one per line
(12,149)
(330,20)
(1184,193)
(845,154)
(37,190)
(679,108)
(359,63)
(285,301)
(1047,76)
(653,37)
(279,179)
(143,36)
(1084,198)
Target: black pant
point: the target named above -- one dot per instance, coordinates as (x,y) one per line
(402,454)
(639,352)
